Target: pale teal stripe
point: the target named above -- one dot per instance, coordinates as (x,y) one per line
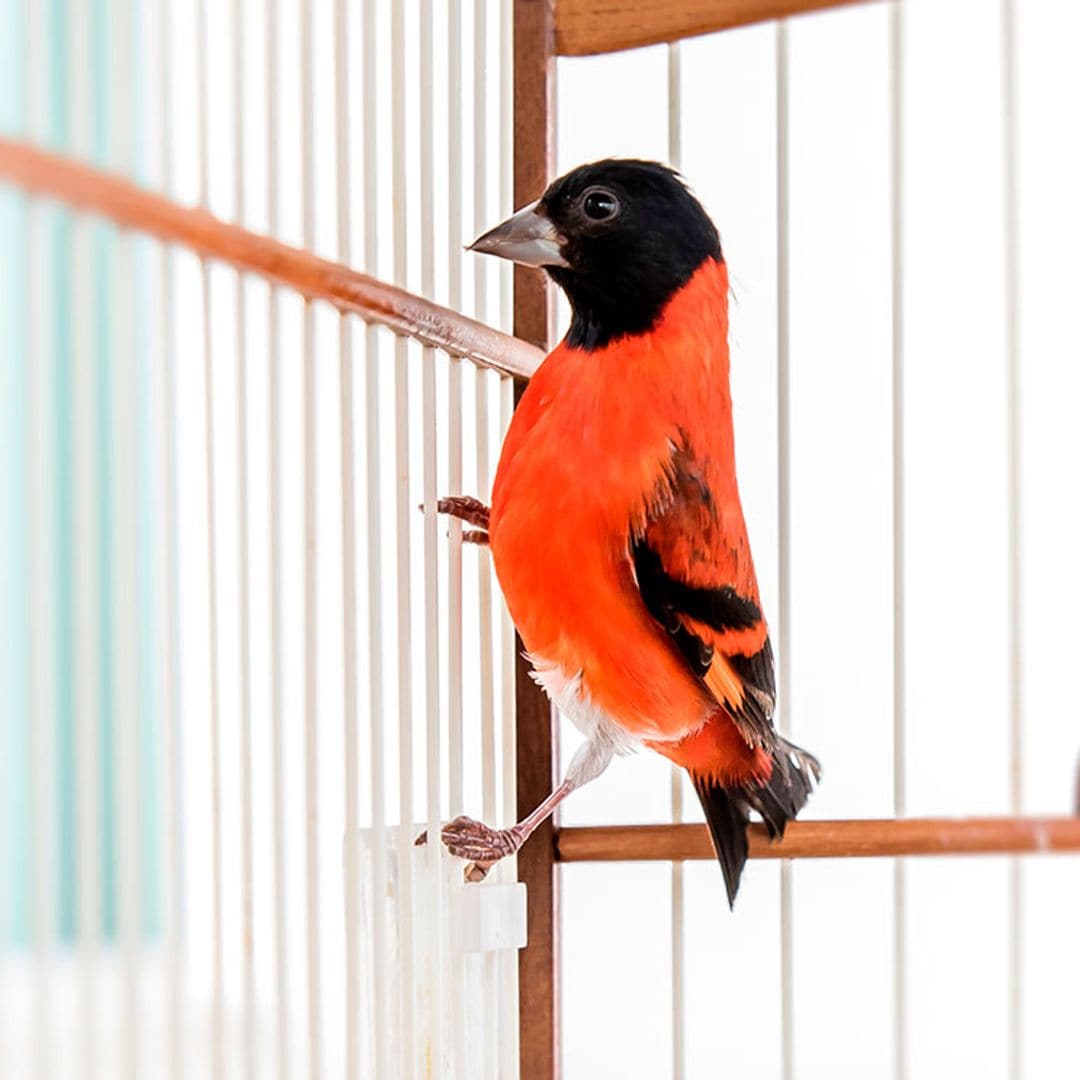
(149,546)
(14,655)
(150,361)
(103,240)
(15,870)
(58,289)
(12,69)
(102,331)
(14,624)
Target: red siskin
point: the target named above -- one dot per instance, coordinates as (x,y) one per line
(615,525)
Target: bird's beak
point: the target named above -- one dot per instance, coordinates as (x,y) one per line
(528,238)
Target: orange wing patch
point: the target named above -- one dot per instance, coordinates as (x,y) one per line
(723,683)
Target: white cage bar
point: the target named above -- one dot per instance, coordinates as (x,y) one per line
(783,488)
(899,590)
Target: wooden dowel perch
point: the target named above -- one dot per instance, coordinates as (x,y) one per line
(132,207)
(828,839)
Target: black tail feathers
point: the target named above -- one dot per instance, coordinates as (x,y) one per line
(778,800)
(727,818)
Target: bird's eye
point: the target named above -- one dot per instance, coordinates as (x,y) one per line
(600,204)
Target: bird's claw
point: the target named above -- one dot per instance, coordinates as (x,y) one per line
(475,872)
(469,839)
(471,511)
(482,845)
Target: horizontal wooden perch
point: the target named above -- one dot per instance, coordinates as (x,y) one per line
(586,27)
(132,207)
(827,839)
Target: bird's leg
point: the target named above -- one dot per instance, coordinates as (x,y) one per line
(485,846)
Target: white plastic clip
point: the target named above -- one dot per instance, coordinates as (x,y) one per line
(491,917)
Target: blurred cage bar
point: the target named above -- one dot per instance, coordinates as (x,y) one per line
(248,663)
(242,670)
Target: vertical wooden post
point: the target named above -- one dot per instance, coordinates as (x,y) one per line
(534,153)
(537,759)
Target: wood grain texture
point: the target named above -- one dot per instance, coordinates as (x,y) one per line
(133,207)
(586,27)
(868,838)
(537,759)
(534,154)
(538,962)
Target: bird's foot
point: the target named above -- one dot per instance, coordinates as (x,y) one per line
(483,845)
(469,839)
(471,511)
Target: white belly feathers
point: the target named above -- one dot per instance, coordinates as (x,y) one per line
(569,695)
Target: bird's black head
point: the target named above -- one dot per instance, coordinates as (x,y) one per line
(620,237)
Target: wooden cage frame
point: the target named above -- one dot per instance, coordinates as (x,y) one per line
(543,30)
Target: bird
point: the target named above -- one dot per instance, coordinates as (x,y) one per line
(616,528)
